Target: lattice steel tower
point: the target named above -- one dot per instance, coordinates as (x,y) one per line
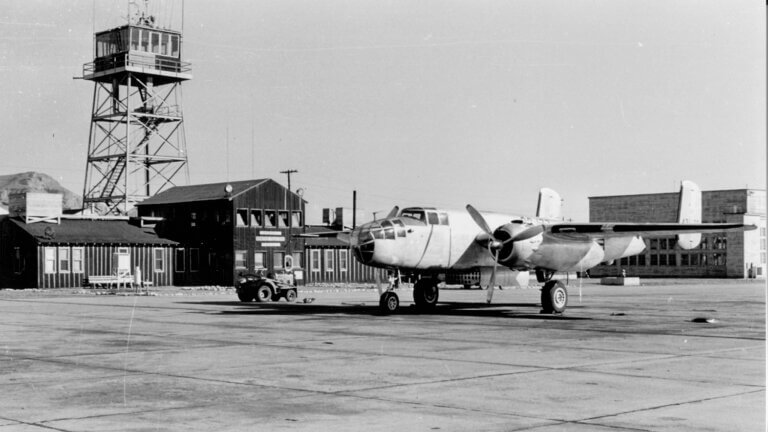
(136,146)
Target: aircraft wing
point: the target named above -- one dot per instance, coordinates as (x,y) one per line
(343,236)
(610,229)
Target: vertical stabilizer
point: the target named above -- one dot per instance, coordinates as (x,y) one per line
(689,211)
(550,205)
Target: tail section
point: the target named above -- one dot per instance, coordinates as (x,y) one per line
(689,212)
(550,205)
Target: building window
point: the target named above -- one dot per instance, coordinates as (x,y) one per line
(270,219)
(283,219)
(123,250)
(194,260)
(258,261)
(240,259)
(314,260)
(159,260)
(672,260)
(64,260)
(641,260)
(298,259)
(329,264)
(256,218)
(654,260)
(343,260)
(278,259)
(296,219)
(242,217)
(50,260)
(684,259)
(179,264)
(17,260)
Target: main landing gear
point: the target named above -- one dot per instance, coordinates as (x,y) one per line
(425,296)
(554,296)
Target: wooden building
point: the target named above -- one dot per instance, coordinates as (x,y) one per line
(45,255)
(224,229)
(330,260)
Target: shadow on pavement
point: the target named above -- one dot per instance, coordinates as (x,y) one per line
(499,310)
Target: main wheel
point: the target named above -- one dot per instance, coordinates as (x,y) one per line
(426,293)
(554,297)
(389,302)
(290,295)
(263,293)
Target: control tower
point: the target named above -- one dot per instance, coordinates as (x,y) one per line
(136,145)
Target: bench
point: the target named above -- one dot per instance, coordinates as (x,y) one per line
(108,281)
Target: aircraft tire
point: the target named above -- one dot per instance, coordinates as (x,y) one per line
(264,293)
(425,294)
(554,297)
(389,302)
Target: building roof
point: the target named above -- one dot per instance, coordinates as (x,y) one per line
(86,231)
(202,192)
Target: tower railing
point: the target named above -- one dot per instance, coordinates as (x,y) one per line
(133,60)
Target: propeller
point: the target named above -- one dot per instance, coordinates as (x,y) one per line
(495,245)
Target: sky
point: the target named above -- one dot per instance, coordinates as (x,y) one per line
(432,102)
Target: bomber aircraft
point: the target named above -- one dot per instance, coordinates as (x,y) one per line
(430,242)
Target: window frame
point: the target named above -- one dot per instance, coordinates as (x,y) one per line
(315,264)
(178,265)
(244,259)
(49,262)
(343,260)
(328,255)
(158,260)
(64,260)
(194,253)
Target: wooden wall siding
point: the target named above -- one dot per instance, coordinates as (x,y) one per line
(97,261)
(356,272)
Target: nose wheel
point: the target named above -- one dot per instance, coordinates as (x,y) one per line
(389,302)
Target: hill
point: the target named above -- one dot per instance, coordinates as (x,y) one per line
(36,182)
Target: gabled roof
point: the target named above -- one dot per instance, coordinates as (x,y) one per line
(86,231)
(203,192)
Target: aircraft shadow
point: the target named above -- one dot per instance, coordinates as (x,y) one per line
(499,310)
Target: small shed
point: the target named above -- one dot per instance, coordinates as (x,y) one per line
(47,255)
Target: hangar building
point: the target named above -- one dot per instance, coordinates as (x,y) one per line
(720,255)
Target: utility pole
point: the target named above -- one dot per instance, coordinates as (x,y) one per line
(290,209)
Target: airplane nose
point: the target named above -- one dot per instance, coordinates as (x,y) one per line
(364,252)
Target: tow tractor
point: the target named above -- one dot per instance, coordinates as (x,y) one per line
(267,288)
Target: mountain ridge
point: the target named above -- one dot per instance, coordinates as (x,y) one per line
(33,181)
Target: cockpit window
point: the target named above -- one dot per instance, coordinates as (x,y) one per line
(399,227)
(413,214)
(433,219)
(389,230)
(443,218)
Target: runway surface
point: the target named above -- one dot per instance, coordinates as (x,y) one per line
(677,356)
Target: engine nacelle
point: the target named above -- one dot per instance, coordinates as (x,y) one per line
(514,253)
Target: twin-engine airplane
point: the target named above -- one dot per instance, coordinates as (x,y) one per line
(431,242)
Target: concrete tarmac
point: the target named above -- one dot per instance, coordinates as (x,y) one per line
(666,356)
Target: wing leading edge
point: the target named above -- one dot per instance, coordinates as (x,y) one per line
(608,229)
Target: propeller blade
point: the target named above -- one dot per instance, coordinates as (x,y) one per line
(479,219)
(530,232)
(492,284)
(392,213)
